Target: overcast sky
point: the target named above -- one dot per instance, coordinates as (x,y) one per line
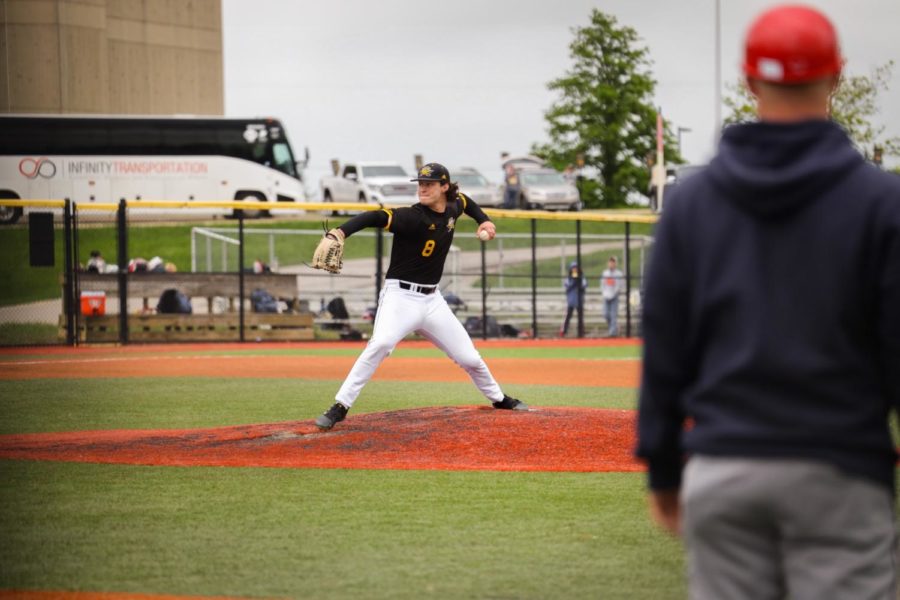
(462,81)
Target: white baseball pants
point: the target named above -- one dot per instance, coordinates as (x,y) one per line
(401,312)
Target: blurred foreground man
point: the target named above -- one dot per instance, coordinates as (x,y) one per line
(772,343)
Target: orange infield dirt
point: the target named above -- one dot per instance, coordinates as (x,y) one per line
(153,361)
(446,438)
(466,438)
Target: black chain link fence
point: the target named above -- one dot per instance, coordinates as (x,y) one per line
(114,274)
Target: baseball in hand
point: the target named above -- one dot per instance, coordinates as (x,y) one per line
(484,235)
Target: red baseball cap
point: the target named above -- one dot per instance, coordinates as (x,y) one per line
(792,44)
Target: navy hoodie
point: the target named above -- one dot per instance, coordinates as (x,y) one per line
(772,307)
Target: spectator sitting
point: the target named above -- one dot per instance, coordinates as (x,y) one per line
(96,264)
(137,265)
(156,265)
(260,267)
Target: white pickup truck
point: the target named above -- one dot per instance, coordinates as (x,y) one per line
(378,182)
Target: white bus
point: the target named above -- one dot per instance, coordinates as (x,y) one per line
(104,159)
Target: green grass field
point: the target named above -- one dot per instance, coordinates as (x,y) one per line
(314,533)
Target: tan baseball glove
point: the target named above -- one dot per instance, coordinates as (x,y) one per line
(329,254)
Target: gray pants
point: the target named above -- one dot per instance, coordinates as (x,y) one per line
(793,529)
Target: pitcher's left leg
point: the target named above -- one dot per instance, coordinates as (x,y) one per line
(445,331)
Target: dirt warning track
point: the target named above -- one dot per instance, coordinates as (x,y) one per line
(608,373)
(466,438)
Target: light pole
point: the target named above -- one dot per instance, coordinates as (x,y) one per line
(680,130)
(718,75)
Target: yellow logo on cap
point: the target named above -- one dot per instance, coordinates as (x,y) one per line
(425,171)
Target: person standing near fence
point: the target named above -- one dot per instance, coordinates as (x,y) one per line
(511,188)
(575,285)
(410,300)
(772,326)
(612,282)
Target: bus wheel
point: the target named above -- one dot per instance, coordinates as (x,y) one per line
(252,196)
(9,214)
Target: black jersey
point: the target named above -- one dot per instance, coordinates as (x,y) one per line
(422,237)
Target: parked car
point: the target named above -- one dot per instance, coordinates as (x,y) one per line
(477,187)
(378,182)
(547,189)
(524,162)
(541,187)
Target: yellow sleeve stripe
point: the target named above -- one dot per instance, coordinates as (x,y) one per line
(390,215)
(463,198)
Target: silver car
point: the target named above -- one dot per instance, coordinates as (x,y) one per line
(474,185)
(548,189)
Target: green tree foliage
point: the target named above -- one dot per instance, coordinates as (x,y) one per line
(853,106)
(605,114)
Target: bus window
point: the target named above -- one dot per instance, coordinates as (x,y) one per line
(231,142)
(258,154)
(284,160)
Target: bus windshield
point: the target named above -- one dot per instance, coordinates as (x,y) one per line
(283,159)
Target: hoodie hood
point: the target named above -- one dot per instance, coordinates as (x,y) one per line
(772,169)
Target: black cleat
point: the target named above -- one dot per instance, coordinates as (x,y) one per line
(335,414)
(509,403)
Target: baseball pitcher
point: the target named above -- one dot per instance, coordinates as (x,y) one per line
(410,299)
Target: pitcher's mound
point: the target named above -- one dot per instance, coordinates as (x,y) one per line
(445,438)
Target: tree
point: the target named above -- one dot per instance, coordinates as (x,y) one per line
(605,115)
(853,105)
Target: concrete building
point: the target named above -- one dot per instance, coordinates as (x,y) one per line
(111,56)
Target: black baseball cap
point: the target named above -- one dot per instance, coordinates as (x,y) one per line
(433,172)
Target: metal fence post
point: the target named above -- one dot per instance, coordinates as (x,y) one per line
(122,257)
(484,323)
(627,279)
(76,287)
(241,273)
(69,275)
(580,286)
(534,322)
